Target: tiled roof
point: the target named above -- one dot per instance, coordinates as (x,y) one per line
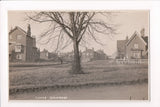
(133,36)
(20,29)
(145,38)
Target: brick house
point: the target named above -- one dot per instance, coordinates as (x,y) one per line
(90,55)
(101,55)
(85,56)
(22,46)
(134,48)
(44,54)
(68,56)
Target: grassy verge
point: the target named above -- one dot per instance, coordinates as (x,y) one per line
(57,76)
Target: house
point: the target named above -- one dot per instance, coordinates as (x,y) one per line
(22,46)
(48,56)
(91,54)
(53,56)
(68,56)
(85,56)
(136,47)
(44,54)
(88,55)
(101,55)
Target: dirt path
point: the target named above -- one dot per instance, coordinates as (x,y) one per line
(114,92)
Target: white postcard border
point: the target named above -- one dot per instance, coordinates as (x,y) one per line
(153,6)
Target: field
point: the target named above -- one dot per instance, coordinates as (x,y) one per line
(56,76)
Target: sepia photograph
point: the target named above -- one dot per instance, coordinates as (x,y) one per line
(79,55)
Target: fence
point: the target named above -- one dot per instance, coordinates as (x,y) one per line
(132,61)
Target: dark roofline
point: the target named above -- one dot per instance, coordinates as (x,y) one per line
(133,36)
(145,38)
(17,27)
(23,31)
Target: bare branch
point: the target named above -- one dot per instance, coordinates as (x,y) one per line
(92,35)
(73,25)
(59,39)
(84,28)
(36,18)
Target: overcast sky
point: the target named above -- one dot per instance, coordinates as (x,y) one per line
(127,23)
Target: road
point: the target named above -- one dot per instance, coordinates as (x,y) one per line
(112,92)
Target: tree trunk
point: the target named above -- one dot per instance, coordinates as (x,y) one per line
(76,66)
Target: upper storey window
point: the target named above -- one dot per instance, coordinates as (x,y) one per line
(18,48)
(136,46)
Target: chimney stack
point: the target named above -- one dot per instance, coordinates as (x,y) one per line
(142,32)
(29,30)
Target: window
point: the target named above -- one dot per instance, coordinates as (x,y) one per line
(136,54)
(19,56)
(135,46)
(19,36)
(18,48)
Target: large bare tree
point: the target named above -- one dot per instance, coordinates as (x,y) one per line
(75,26)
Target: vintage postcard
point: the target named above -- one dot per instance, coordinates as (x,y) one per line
(79,55)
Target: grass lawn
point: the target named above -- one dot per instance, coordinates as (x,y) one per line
(95,72)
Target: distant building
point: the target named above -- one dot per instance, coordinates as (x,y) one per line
(90,55)
(85,56)
(101,55)
(22,46)
(53,56)
(134,48)
(68,56)
(44,54)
